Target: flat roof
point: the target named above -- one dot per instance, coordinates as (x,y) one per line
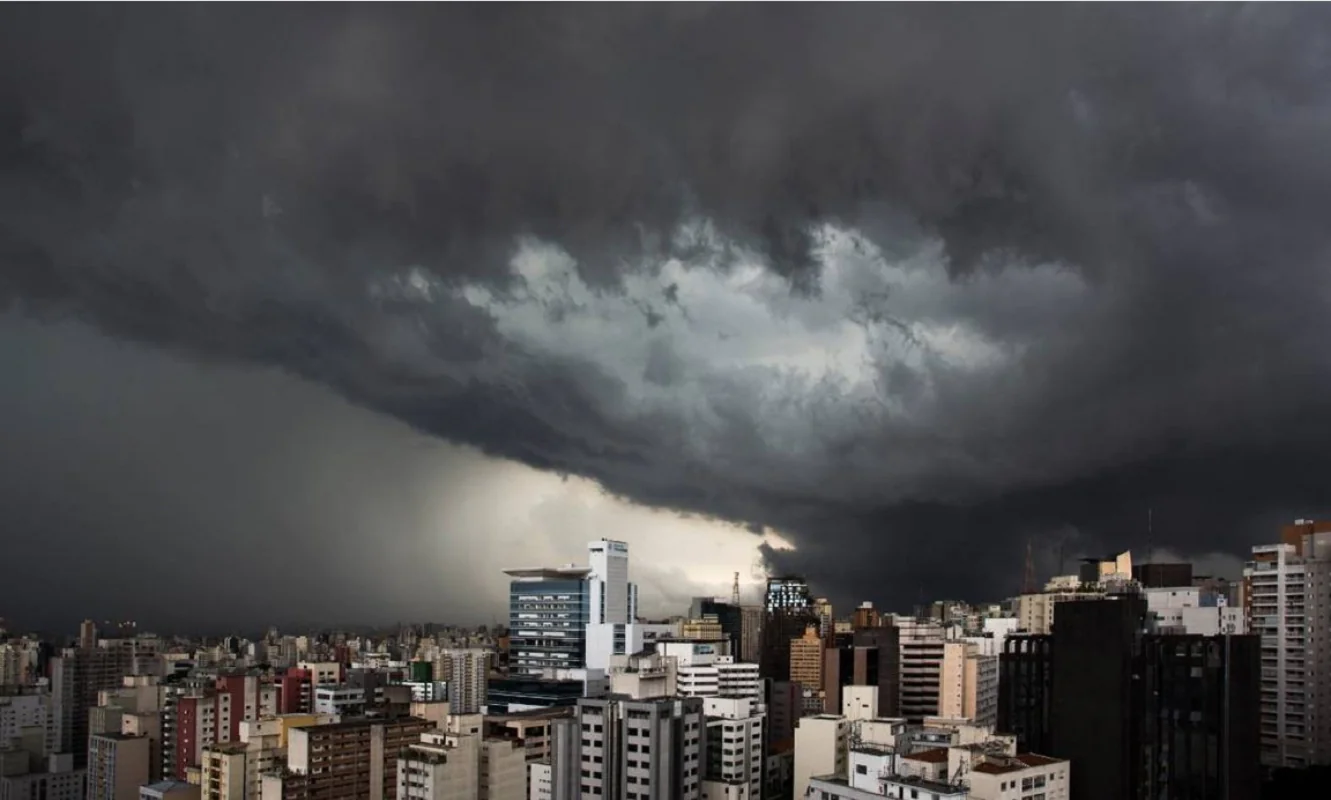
(548,572)
(934,755)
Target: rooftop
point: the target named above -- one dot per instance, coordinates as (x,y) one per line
(937,787)
(934,755)
(1017,763)
(536,573)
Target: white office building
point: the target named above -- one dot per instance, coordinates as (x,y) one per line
(1193,610)
(734,742)
(707,669)
(612,604)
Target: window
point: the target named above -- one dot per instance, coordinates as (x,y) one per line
(860,769)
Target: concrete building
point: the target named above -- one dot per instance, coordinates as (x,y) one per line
(535,729)
(442,766)
(705,669)
(469,669)
(821,747)
(1035,611)
(751,622)
(77,675)
(707,629)
(1285,602)
(643,676)
(612,603)
(735,753)
(117,766)
(1194,610)
(556,777)
(806,668)
(224,773)
(641,749)
(365,750)
(341,701)
(549,609)
(23,711)
(503,770)
(921,659)
(60,780)
(1024,775)
(968,684)
(867,657)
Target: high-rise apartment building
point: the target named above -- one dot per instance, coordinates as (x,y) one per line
(968,684)
(641,749)
(223,772)
(468,673)
(549,609)
(921,659)
(77,675)
(1288,603)
(462,766)
(117,766)
(353,759)
(441,766)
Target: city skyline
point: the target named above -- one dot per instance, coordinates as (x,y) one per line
(337,312)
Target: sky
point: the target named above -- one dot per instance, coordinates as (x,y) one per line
(330,314)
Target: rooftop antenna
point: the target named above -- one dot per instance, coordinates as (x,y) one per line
(734,591)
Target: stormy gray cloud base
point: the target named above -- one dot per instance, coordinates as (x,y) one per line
(139,485)
(902,283)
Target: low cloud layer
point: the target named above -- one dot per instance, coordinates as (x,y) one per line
(910,285)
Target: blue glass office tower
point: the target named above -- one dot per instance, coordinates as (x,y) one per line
(548,612)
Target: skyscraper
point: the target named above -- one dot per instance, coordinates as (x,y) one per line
(467,676)
(646,748)
(788,612)
(1139,714)
(1288,606)
(921,645)
(612,603)
(548,613)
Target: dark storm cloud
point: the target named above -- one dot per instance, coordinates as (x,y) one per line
(1080,269)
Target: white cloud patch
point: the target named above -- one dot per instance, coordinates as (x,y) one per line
(725,348)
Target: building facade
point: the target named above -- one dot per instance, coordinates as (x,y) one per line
(549,610)
(645,749)
(117,766)
(968,684)
(1286,603)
